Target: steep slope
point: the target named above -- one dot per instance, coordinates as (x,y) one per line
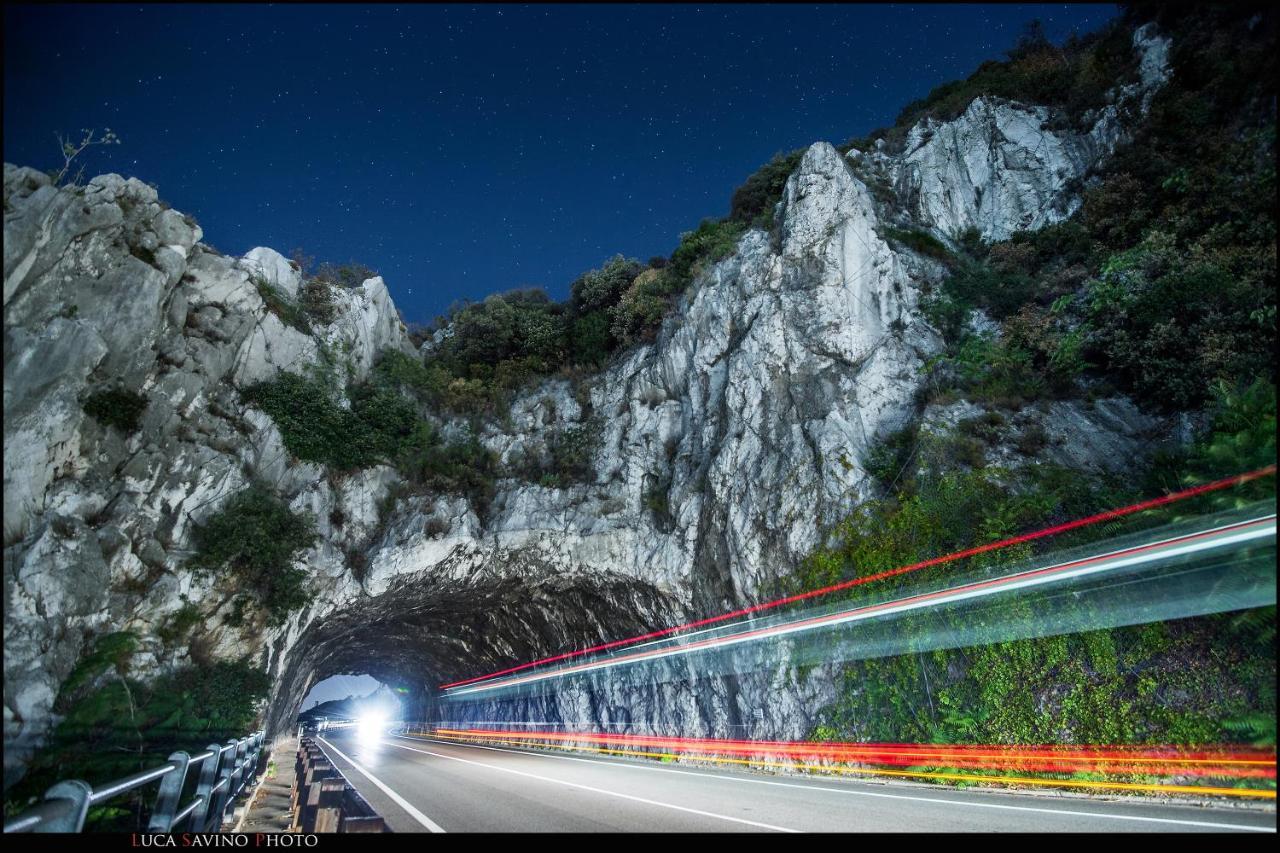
(724,448)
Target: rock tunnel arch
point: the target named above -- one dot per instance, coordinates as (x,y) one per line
(418,634)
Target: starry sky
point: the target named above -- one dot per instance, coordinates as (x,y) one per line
(465,150)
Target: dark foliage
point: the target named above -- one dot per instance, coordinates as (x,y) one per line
(117,407)
(255,538)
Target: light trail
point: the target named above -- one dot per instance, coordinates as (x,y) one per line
(1159,552)
(1165,761)
(943,776)
(1164,500)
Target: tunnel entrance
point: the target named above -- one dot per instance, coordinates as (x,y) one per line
(424,631)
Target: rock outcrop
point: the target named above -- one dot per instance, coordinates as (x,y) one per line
(724,448)
(1003,167)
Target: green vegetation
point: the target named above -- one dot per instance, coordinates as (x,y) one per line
(510,339)
(1195,681)
(316,300)
(1164,284)
(1242,438)
(314,427)
(70,150)
(920,241)
(753,202)
(178,626)
(887,460)
(255,537)
(113,724)
(1201,680)
(117,407)
(383,425)
(289,312)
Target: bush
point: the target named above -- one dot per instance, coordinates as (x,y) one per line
(712,240)
(572,452)
(178,626)
(886,460)
(255,537)
(921,242)
(1170,328)
(999,294)
(602,288)
(1073,78)
(638,315)
(753,203)
(348,276)
(117,407)
(1242,438)
(996,371)
(461,466)
(592,339)
(316,300)
(314,427)
(498,344)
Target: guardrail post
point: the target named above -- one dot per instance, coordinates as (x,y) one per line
(237,770)
(327,816)
(72,820)
(252,763)
(222,788)
(204,787)
(309,800)
(307,754)
(166,805)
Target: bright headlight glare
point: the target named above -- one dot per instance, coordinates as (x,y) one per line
(371,726)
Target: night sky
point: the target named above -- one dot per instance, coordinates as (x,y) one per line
(462,150)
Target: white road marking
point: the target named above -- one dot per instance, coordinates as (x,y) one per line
(400,801)
(598,790)
(855,793)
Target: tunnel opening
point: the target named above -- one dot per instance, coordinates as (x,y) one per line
(422,632)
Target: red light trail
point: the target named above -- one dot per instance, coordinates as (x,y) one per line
(1086,521)
(992,763)
(1233,762)
(987,763)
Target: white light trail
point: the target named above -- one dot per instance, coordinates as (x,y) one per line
(1232,535)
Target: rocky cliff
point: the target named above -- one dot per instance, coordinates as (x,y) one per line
(748,417)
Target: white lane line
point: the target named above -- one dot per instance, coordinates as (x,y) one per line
(598,790)
(400,801)
(856,793)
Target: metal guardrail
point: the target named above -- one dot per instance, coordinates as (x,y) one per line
(323,799)
(224,772)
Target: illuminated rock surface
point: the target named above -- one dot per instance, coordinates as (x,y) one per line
(748,418)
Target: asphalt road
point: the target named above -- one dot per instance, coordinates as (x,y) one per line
(422,785)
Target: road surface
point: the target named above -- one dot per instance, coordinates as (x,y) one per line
(422,785)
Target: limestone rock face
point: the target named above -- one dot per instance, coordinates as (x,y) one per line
(1003,167)
(104,286)
(719,452)
(723,450)
(1101,436)
(274,268)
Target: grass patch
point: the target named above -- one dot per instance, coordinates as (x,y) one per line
(289,312)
